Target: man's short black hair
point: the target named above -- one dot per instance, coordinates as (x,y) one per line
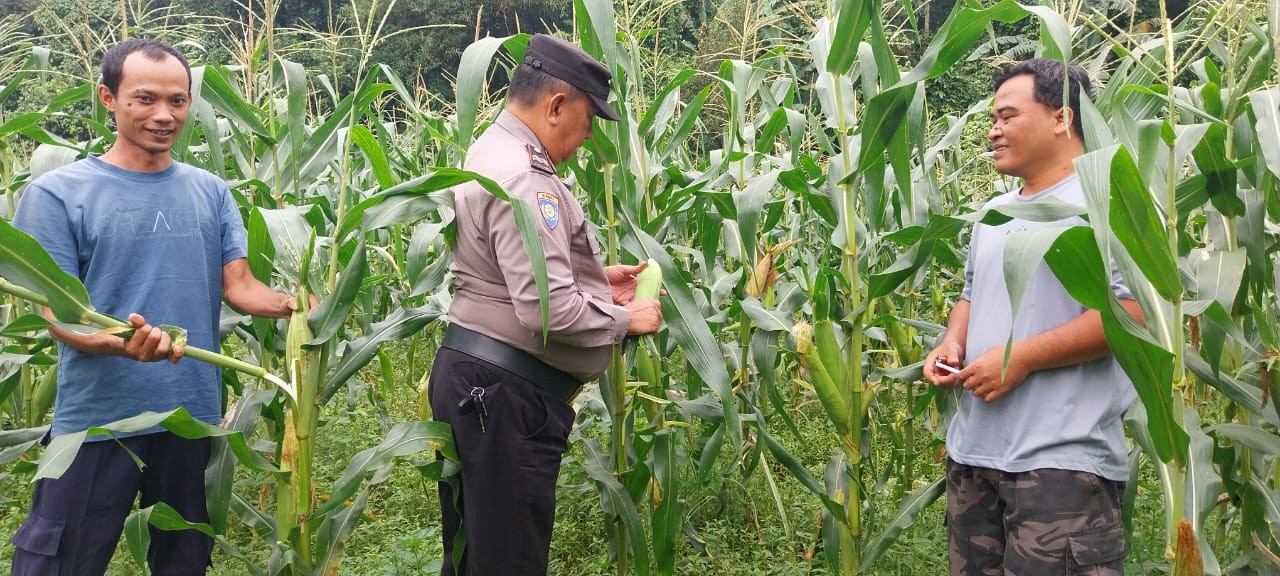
(1048,85)
(529,85)
(153,50)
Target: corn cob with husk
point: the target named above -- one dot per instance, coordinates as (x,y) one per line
(649,281)
(648,366)
(42,396)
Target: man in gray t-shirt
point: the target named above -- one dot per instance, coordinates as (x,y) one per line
(1037,457)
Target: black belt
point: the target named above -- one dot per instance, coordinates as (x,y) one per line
(518,361)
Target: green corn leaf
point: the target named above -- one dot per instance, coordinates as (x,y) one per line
(660,113)
(1259,495)
(1216,326)
(164,517)
(833,527)
(749,203)
(851,24)
(407,192)
(797,469)
(24,262)
(1133,217)
(217,90)
(322,147)
(1219,171)
(373,151)
(683,317)
(1251,436)
(294,78)
(473,70)
(337,527)
(688,120)
(252,517)
(1248,396)
(15,443)
(908,509)
(668,515)
(327,318)
(1219,274)
(261,255)
(203,114)
(1077,262)
(22,122)
(23,325)
(403,323)
(137,535)
(38,60)
(219,476)
(1266,108)
(1203,485)
(769,320)
(290,234)
(617,504)
(406,439)
(62,449)
(599,36)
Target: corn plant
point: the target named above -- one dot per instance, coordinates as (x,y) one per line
(808,242)
(319,195)
(1183,203)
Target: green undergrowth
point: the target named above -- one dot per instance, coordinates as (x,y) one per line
(733,523)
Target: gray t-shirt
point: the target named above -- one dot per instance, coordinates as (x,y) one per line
(1066,418)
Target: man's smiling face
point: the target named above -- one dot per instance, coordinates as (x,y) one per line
(150,105)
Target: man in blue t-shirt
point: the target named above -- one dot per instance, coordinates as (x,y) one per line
(159,242)
(1037,457)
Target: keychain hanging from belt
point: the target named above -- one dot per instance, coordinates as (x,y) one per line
(475,403)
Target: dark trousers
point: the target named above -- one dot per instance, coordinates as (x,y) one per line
(76,520)
(1045,521)
(509,466)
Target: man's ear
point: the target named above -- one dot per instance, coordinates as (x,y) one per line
(1065,118)
(106,97)
(556,107)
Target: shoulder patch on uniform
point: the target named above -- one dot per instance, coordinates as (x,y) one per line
(538,159)
(549,207)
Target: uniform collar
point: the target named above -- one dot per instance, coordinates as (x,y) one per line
(538,159)
(516,127)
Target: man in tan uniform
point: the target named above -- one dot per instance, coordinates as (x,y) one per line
(506,392)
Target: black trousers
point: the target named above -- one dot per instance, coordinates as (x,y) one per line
(509,466)
(77,519)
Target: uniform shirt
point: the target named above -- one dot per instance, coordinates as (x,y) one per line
(147,242)
(494,290)
(1067,418)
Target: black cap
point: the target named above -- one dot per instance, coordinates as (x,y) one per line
(571,64)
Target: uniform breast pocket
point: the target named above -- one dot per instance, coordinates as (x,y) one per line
(586,251)
(592,243)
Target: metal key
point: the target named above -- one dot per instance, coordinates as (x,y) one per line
(477,396)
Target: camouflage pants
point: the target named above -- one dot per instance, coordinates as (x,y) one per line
(1033,523)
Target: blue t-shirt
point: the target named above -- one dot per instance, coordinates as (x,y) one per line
(147,242)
